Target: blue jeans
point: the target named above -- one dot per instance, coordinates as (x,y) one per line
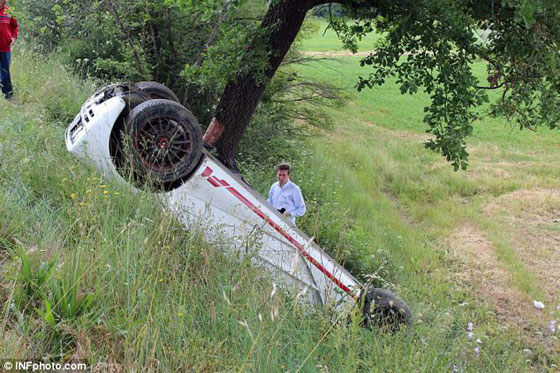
(5,79)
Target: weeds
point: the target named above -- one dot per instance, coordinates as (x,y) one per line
(65,303)
(54,297)
(32,280)
(116,279)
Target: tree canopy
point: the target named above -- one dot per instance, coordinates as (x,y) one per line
(220,56)
(425,44)
(193,47)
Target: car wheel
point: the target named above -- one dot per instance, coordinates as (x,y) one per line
(163,142)
(155,90)
(383,308)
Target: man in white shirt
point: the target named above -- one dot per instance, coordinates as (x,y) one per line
(286,196)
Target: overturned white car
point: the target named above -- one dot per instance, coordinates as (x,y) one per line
(139,133)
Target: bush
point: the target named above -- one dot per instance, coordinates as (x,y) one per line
(192,47)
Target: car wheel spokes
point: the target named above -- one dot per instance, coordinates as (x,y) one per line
(162,144)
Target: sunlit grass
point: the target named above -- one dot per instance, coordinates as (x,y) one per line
(390,186)
(165,299)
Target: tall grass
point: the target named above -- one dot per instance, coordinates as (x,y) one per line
(405,203)
(91,271)
(95,272)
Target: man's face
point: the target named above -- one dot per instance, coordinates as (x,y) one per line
(283,176)
(2,3)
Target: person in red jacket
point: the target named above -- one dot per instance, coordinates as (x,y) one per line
(8,36)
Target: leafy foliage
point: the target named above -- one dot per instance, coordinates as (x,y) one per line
(33,279)
(55,296)
(431,45)
(193,47)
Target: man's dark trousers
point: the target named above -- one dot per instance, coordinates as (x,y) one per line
(5,78)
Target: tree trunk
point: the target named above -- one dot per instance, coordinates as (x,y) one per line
(241,96)
(278,30)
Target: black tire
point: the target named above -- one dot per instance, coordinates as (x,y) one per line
(155,90)
(383,308)
(163,142)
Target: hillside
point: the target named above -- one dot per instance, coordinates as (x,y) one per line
(92,272)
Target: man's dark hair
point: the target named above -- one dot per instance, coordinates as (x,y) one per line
(283,166)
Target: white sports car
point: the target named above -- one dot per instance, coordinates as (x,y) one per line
(140,133)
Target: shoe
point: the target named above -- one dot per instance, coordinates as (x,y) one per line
(9,97)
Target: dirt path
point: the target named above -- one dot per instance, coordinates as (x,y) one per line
(531,220)
(533,217)
(483,272)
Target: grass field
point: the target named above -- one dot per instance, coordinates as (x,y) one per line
(480,244)
(92,272)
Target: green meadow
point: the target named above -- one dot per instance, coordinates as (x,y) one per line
(90,271)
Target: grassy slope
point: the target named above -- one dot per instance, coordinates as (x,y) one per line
(409,204)
(162,298)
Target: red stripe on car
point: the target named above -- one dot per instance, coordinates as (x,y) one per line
(214,181)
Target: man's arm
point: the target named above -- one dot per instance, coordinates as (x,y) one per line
(14,28)
(299,203)
(270,193)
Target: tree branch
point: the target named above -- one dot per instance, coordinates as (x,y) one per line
(126,34)
(492,87)
(200,56)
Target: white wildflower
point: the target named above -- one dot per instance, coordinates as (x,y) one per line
(538,305)
(470,327)
(552,326)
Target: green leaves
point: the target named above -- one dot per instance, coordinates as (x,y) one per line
(33,279)
(429,56)
(526,11)
(47,315)
(431,44)
(56,297)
